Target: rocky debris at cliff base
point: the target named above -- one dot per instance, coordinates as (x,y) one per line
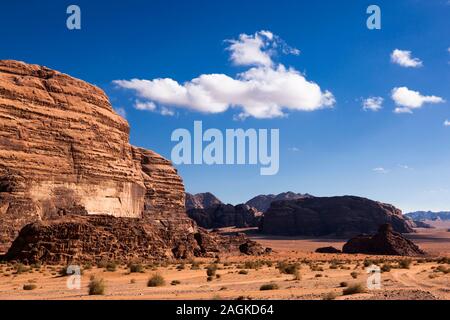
(385,242)
(94,238)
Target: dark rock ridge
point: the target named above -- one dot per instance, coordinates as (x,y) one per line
(226,215)
(385,242)
(429,215)
(345,216)
(66,163)
(262,202)
(96,238)
(328,250)
(201,200)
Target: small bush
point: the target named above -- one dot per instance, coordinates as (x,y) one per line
(354,289)
(288,268)
(330,296)
(405,263)
(195,265)
(111,266)
(269,286)
(211,270)
(175,282)
(354,274)
(209,278)
(29,286)
(319,275)
(181,267)
(386,268)
(243,272)
(156,280)
(96,287)
(136,268)
(343,284)
(21,268)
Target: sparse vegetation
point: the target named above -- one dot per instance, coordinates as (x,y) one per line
(386,267)
(156,280)
(111,266)
(136,268)
(343,284)
(175,282)
(211,270)
(96,287)
(330,296)
(354,274)
(243,272)
(269,286)
(405,263)
(354,289)
(288,268)
(29,286)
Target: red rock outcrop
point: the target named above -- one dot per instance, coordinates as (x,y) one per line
(201,200)
(384,242)
(345,216)
(66,165)
(263,201)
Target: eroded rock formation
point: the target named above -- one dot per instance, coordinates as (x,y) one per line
(263,201)
(201,200)
(226,215)
(331,216)
(385,242)
(66,165)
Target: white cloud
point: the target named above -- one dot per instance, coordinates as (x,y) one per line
(407,100)
(404,59)
(373,103)
(447,123)
(148,106)
(380,170)
(166,112)
(294,149)
(263,91)
(404,166)
(121,112)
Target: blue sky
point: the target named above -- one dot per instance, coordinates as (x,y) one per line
(399,158)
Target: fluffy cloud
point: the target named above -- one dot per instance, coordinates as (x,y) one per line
(447,123)
(373,103)
(380,170)
(265,90)
(407,100)
(404,59)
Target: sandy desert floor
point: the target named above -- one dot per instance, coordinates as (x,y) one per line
(319,276)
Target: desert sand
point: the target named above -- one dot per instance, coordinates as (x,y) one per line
(319,276)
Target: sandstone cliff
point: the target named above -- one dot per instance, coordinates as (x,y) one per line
(263,201)
(331,216)
(66,163)
(201,200)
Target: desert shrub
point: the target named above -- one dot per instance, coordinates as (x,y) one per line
(368,263)
(243,272)
(29,286)
(96,287)
(111,266)
(156,280)
(87,266)
(211,270)
(175,282)
(36,265)
(386,267)
(443,269)
(252,264)
(314,267)
(102,263)
(181,267)
(330,296)
(405,263)
(218,276)
(209,278)
(319,275)
(288,268)
(343,284)
(21,268)
(354,274)
(354,289)
(297,275)
(133,281)
(269,286)
(136,268)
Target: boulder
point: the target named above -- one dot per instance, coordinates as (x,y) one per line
(328,250)
(385,242)
(342,217)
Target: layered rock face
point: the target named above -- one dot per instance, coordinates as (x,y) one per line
(263,202)
(385,242)
(201,200)
(222,215)
(66,165)
(334,216)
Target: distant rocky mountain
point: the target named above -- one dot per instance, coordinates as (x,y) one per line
(345,216)
(201,200)
(428,215)
(262,202)
(225,215)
